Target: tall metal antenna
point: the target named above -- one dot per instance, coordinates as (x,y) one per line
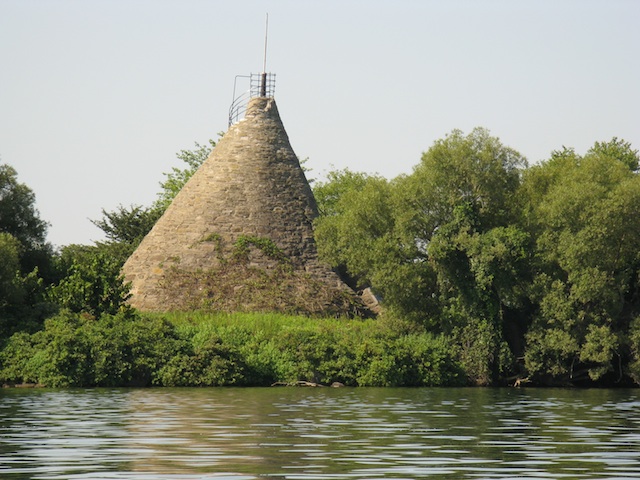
(266,36)
(263,87)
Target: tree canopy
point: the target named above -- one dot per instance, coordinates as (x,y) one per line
(125,227)
(583,211)
(25,256)
(521,273)
(18,214)
(539,263)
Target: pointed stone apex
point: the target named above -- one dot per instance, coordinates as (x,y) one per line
(239,235)
(262,107)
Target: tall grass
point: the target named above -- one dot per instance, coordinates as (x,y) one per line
(286,348)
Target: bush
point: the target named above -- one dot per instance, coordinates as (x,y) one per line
(93,284)
(214,350)
(410,361)
(79,350)
(15,357)
(211,364)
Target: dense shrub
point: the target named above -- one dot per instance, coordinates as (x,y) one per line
(245,349)
(211,363)
(79,350)
(275,348)
(411,360)
(93,283)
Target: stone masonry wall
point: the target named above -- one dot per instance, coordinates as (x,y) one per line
(251,185)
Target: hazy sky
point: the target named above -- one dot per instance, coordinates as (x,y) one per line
(96,97)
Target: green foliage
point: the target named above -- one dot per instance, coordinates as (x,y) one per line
(79,350)
(582,212)
(409,360)
(128,225)
(25,257)
(18,215)
(21,295)
(466,220)
(176,179)
(475,172)
(633,339)
(130,350)
(600,347)
(441,246)
(484,259)
(551,352)
(265,245)
(360,238)
(356,221)
(481,349)
(17,359)
(617,150)
(125,227)
(328,194)
(214,350)
(93,283)
(540,263)
(10,291)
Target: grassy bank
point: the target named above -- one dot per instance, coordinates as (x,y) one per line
(198,349)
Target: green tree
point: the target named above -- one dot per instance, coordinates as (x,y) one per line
(582,212)
(464,218)
(442,246)
(18,215)
(10,291)
(25,256)
(176,178)
(355,218)
(20,218)
(328,194)
(619,150)
(125,227)
(93,282)
(356,234)
(128,225)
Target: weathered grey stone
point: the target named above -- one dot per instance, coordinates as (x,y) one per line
(251,186)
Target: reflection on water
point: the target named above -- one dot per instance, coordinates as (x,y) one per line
(299,433)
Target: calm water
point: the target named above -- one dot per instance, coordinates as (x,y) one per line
(304,433)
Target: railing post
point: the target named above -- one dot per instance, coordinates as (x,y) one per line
(260,84)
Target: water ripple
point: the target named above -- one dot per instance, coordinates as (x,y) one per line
(318,434)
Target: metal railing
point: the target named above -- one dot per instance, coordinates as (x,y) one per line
(260,85)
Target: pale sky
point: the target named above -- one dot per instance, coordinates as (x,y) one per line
(96,97)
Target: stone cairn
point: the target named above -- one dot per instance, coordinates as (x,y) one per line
(239,235)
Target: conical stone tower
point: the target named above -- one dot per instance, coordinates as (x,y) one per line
(238,236)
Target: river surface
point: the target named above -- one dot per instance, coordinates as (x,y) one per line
(319,433)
